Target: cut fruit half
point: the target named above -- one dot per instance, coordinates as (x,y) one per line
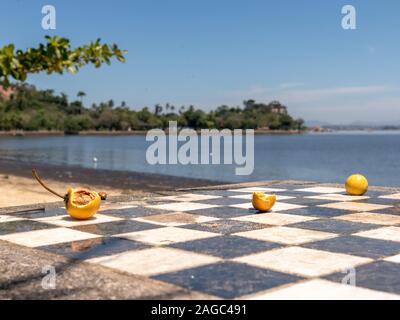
(263,202)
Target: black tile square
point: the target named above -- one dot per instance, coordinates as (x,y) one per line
(334,226)
(223,212)
(225,226)
(93,248)
(357,246)
(307,202)
(224,201)
(116,227)
(315,211)
(228,280)
(226,247)
(388,202)
(394,210)
(35,214)
(22,226)
(380,276)
(221,193)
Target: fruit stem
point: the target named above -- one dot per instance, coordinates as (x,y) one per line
(35,175)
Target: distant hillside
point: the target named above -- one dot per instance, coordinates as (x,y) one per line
(23,107)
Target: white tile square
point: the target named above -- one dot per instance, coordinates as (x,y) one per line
(321,190)
(182,206)
(38,238)
(337,197)
(5,218)
(395,259)
(278,206)
(258,189)
(354,206)
(189,197)
(154,261)
(250,197)
(385,233)
(303,261)
(319,289)
(395,196)
(167,235)
(370,217)
(286,235)
(175,219)
(67,221)
(275,219)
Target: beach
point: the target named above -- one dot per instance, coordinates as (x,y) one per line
(18,187)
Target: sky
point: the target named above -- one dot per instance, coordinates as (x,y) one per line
(214,52)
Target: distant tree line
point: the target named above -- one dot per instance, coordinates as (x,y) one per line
(27,108)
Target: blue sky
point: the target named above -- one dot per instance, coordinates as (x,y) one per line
(209,53)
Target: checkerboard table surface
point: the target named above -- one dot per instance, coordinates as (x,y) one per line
(214,242)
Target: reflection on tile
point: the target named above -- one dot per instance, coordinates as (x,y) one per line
(181,206)
(355,206)
(175,219)
(227,279)
(322,290)
(273,218)
(285,235)
(16,226)
(154,261)
(226,246)
(92,248)
(167,235)
(380,275)
(334,226)
(363,247)
(385,233)
(67,221)
(370,217)
(302,261)
(112,228)
(226,226)
(38,238)
(321,190)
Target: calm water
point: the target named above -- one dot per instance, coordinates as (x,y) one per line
(327,157)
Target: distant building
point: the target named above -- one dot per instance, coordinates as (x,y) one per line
(6,93)
(277,107)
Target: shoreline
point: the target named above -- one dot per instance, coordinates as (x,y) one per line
(44,133)
(18,187)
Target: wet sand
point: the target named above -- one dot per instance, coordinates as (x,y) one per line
(18,187)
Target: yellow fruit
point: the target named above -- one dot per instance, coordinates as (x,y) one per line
(263,203)
(356,185)
(82,204)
